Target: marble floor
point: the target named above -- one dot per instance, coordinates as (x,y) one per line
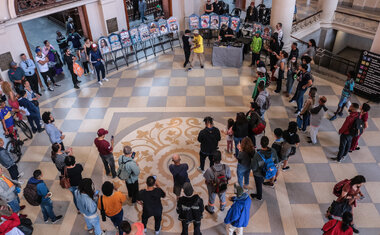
(157,108)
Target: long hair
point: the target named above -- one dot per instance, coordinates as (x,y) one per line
(241,118)
(359,179)
(54,148)
(230,123)
(313,43)
(86,186)
(247,145)
(6,87)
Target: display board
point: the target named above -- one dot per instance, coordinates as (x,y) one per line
(367,81)
(115,43)
(194,22)
(224,20)
(104,45)
(235,23)
(125,38)
(173,24)
(134,34)
(163,26)
(154,30)
(144,32)
(214,21)
(205,21)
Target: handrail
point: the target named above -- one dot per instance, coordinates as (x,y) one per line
(310,16)
(359,16)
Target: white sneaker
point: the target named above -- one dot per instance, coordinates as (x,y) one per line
(105,79)
(144,230)
(21,174)
(100,83)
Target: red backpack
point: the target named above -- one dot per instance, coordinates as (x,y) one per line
(339,187)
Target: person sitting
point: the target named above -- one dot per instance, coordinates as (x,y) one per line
(226,34)
(158,13)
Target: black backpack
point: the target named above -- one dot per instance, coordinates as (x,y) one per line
(357,127)
(31,195)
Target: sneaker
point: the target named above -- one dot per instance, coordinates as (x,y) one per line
(50,89)
(21,174)
(269,184)
(333,118)
(357,148)
(355,230)
(336,159)
(105,79)
(310,142)
(57,218)
(292,101)
(76,87)
(202,67)
(255,196)
(157,232)
(34,131)
(340,114)
(286,168)
(46,221)
(79,81)
(100,83)
(297,112)
(189,69)
(57,85)
(41,130)
(145,230)
(207,208)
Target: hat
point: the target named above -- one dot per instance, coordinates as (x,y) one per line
(261,70)
(38,50)
(158,6)
(188,189)
(94,45)
(13,63)
(258,32)
(102,131)
(238,190)
(196,31)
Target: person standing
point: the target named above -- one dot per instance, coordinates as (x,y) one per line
(209,8)
(311,49)
(62,42)
(263,99)
(129,171)
(197,50)
(58,156)
(7,162)
(55,135)
(237,217)
(218,7)
(273,50)
(70,60)
(364,116)
(303,118)
(142,9)
(240,129)
(45,194)
(348,89)
(186,46)
(190,210)
(112,203)
(209,138)
(135,9)
(42,62)
(180,176)
(105,151)
(345,132)
(34,116)
(291,142)
(246,152)
(8,192)
(305,81)
(217,177)
(74,38)
(256,46)
(317,113)
(132,229)
(16,75)
(261,71)
(96,60)
(30,72)
(279,32)
(294,52)
(281,66)
(74,173)
(86,197)
(69,25)
(252,13)
(150,199)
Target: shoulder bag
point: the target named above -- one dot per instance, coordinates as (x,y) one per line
(64,181)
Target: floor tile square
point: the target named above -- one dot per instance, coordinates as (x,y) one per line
(119,102)
(214,91)
(195,91)
(233,91)
(343,171)
(308,231)
(138,101)
(111,83)
(101,102)
(313,154)
(35,153)
(141,91)
(215,101)
(70,125)
(364,155)
(296,174)
(373,189)
(165,65)
(307,216)
(325,90)
(144,82)
(231,81)
(234,101)
(50,171)
(129,74)
(105,92)
(162,72)
(322,191)
(82,102)
(213,73)
(213,81)
(161,81)
(195,101)
(157,101)
(65,103)
(300,193)
(88,92)
(328,138)
(179,73)
(231,72)
(84,139)
(178,81)
(332,100)
(91,125)
(77,113)
(129,82)
(59,113)
(366,216)
(370,170)
(177,91)
(145,74)
(96,113)
(196,81)
(277,111)
(196,73)
(123,92)
(371,138)
(176,101)
(320,172)
(158,91)
(372,126)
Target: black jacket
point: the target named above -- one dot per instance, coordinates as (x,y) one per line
(209,138)
(186,43)
(253,16)
(190,209)
(240,131)
(69,61)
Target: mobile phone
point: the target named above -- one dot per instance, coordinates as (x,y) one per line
(133,155)
(96,193)
(154,176)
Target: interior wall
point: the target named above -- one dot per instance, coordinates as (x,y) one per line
(178,7)
(372,5)
(340,42)
(95,16)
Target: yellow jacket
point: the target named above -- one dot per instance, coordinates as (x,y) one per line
(198,41)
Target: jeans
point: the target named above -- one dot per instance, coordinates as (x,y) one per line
(142,16)
(185,228)
(203,157)
(255,57)
(279,80)
(47,210)
(34,122)
(15,204)
(157,221)
(45,76)
(313,133)
(93,223)
(289,82)
(117,219)
(299,99)
(253,138)
(85,67)
(72,190)
(109,162)
(212,196)
(237,140)
(100,68)
(74,77)
(13,172)
(133,190)
(243,173)
(259,180)
(304,122)
(344,145)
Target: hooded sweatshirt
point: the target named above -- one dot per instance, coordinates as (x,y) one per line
(238,214)
(209,138)
(190,209)
(261,98)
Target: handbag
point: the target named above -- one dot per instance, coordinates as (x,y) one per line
(276,72)
(102,211)
(64,181)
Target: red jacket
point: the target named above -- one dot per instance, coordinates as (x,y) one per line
(345,129)
(11,222)
(334,227)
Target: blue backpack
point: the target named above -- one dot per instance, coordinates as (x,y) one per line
(269,169)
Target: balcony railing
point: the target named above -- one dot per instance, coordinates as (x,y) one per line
(306,22)
(24,7)
(150,8)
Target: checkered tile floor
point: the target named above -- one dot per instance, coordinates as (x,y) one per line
(161,88)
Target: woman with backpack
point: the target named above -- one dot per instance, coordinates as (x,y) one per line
(364,116)
(86,202)
(240,129)
(291,142)
(337,227)
(246,152)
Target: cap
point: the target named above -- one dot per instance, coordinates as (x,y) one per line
(258,32)
(196,31)
(261,70)
(158,6)
(238,190)
(38,50)
(188,189)
(94,45)
(102,131)
(13,63)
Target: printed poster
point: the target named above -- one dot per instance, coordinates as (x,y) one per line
(205,21)
(163,26)
(154,30)
(114,40)
(104,45)
(125,38)
(214,21)
(257,26)
(235,23)
(224,20)
(173,24)
(194,22)
(144,32)
(134,33)
(266,33)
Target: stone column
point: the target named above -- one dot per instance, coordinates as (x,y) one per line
(375,48)
(328,8)
(282,12)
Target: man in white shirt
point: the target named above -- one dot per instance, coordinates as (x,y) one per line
(279,31)
(30,72)
(42,62)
